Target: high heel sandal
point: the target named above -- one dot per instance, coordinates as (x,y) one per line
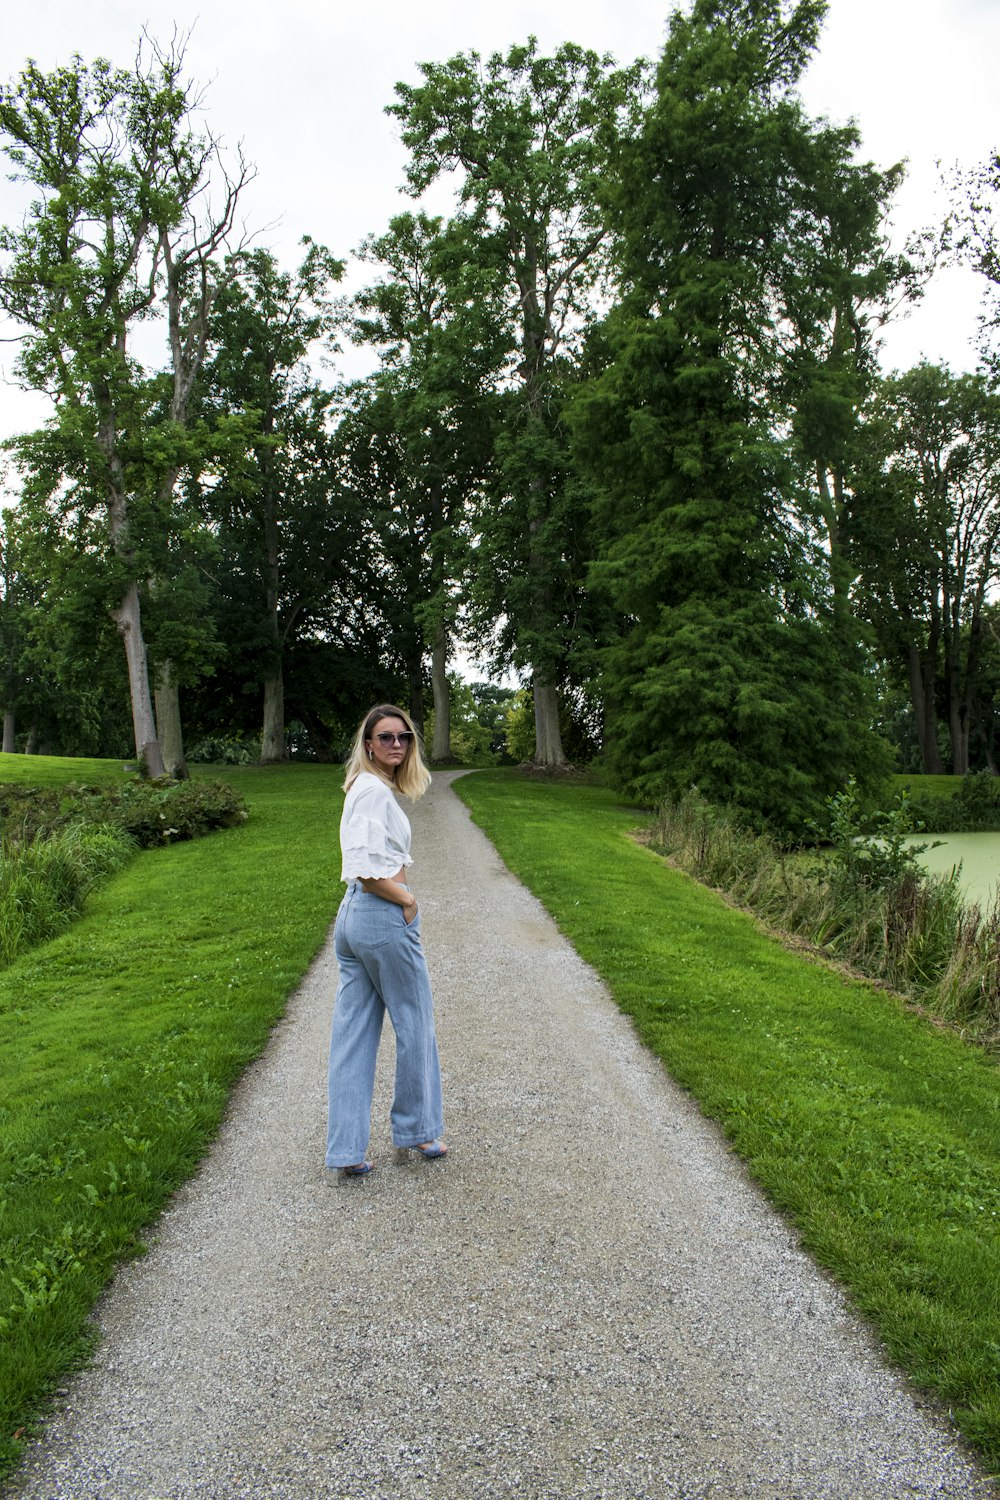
(432,1150)
(360,1170)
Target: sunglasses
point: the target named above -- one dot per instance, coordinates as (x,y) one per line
(385,740)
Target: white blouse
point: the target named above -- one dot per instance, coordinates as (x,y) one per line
(374,831)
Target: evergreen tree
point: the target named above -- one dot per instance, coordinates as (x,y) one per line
(726,670)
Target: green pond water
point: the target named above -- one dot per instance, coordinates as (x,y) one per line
(977,853)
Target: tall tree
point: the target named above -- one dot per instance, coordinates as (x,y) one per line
(973,234)
(432,401)
(926,529)
(395,500)
(841,286)
(285,527)
(119,230)
(530,138)
(727,671)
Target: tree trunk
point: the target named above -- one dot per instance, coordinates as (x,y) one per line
(272,742)
(965,694)
(319,737)
(958,729)
(548,739)
(9,746)
(833,508)
(272,738)
(415,682)
(924,715)
(31,748)
(127,618)
(168,723)
(548,736)
(958,733)
(441,748)
(988,750)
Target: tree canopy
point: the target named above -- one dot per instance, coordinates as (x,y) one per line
(625,433)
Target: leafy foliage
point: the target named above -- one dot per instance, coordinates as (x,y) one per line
(531,138)
(974,808)
(872,851)
(925,524)
(225,750)
(149,813)
(728,669)
(120,226)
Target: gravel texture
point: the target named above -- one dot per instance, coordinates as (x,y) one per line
(587,1301)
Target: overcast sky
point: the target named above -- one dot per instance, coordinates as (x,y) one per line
(303,84)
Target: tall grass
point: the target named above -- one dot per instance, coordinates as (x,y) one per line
(44,884)
(896,925)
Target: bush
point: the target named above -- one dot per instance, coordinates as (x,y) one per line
(225,750)
(871,851)
(974,808)
(150,812)
(164,812)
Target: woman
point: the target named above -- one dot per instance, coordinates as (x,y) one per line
(377,943)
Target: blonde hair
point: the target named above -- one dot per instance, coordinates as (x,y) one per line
(411,776)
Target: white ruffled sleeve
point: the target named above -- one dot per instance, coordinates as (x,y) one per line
(365,849)
(374,832)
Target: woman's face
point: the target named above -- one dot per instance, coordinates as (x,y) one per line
(389,751)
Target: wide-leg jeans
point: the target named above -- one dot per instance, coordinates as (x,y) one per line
(382,968)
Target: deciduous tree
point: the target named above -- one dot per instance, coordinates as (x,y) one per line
(433,405)
(287,529)
(120,230)
(530,138)
(926,535)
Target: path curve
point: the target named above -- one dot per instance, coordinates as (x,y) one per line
(588,1301)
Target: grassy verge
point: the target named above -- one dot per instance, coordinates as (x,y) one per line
(56,770)
(121,1038)
(864,901)
(877,1134)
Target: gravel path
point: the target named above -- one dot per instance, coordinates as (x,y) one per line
(587,1301)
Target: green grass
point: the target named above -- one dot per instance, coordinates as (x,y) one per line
(877,1134)
(121,1039)
(58,770)
(928,786)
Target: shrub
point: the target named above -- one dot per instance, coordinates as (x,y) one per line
(151,812)
(871,851)
(225,750)
(163,812)
(974,808)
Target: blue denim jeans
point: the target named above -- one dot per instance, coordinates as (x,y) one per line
(382,968)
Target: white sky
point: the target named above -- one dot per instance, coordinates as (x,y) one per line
(303,84)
